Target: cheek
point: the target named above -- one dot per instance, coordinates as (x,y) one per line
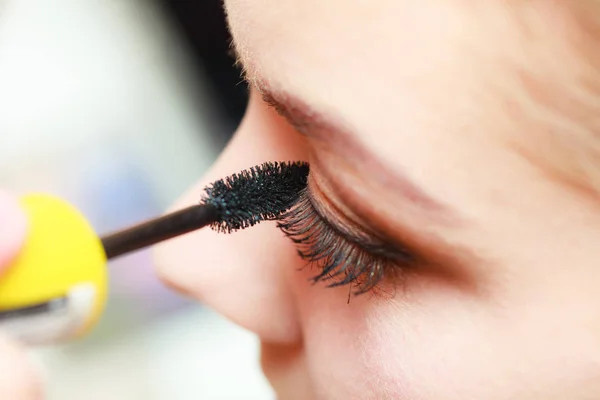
(434,343)
(373,349)
(351,350)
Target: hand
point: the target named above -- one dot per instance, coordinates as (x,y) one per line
(18,379)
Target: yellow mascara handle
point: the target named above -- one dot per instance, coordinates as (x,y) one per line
(56,288)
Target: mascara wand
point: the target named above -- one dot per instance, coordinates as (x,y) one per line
(56,289)
(261,193)
(158,230)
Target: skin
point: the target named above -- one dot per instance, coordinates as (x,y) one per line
(466,102)
(461,129)
(19,380)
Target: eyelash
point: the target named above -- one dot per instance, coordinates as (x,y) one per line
(342,260)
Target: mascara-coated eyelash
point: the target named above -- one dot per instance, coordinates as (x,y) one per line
(342,260)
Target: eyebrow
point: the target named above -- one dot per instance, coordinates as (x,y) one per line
(327,128)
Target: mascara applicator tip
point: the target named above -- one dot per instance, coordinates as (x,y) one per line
(261,193)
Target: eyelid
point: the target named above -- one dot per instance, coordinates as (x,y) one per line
(434,252)
(340,261)
(346,256)
(355,233)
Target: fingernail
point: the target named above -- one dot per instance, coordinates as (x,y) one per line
(13,225)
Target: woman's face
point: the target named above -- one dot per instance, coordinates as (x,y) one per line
(454,131)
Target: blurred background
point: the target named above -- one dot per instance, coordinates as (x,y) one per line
(118,106)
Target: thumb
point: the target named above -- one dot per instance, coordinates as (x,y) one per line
(13,225)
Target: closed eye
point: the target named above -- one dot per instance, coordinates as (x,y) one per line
(343,257)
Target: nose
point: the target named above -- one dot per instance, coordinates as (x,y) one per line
(246,275)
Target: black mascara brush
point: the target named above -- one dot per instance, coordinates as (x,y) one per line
(242,200)
(56,288)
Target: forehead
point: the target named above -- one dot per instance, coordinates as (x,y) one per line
(339,55)
(282,38)
(374,65)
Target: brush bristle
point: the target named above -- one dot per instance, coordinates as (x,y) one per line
(261,193)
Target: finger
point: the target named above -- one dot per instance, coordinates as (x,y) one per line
(18,377)
(13,225)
